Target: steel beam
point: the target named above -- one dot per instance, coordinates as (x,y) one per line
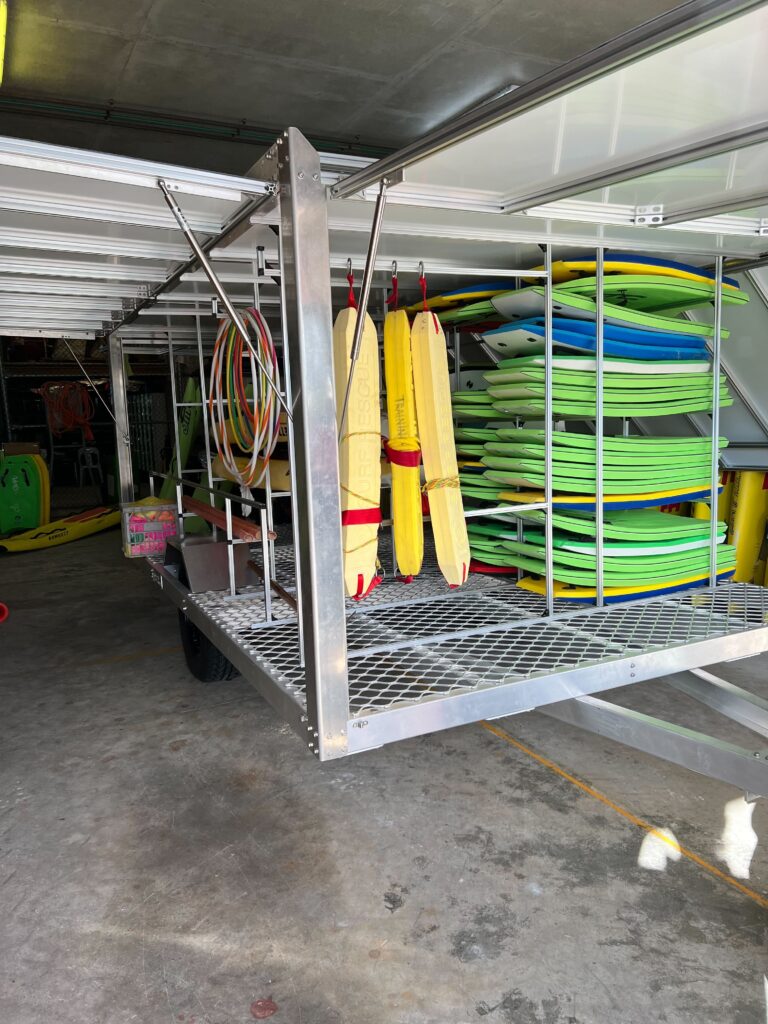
(742,138)
(713,207)
(305,258)
(739,705)
(85,163)
(747,769)
(122,426)
(673,26)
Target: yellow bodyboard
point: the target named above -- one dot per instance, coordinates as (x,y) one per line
(433,412)
(407,522)
(568,590)
(569,270)
(359,451)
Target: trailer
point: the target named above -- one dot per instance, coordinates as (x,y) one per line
(593,157)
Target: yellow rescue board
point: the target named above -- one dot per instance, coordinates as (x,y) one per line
(407,522)
(433,412)
(359,451)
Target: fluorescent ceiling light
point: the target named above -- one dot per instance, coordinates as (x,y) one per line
(3,33)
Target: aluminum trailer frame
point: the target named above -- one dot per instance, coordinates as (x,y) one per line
(413,659)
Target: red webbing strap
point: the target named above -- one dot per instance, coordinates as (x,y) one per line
(402,458)
(375,581)
(423,286)
(360,516)
(455,586)
(351,300)
(392,298)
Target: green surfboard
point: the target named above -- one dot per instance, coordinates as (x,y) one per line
(653,293)
(636,525)
(528,302)
(503,369)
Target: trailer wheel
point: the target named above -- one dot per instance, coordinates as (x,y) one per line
(204,660)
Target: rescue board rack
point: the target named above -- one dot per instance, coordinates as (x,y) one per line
(562,163)
(417,658)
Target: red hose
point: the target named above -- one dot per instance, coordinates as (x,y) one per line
(4,613)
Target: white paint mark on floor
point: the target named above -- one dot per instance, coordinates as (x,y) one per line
(657,848)
(738,839)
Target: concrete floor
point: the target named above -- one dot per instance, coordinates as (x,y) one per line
(170,853)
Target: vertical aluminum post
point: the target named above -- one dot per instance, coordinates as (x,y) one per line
(122,427)
(599,424)
(5,409)
(306,280)
(258,266)
(203,394)
(176,439)
(291,447)
(265,562)
(230,547)
(715,466)
(549,562)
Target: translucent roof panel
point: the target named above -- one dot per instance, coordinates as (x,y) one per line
(677,120)
(689,92)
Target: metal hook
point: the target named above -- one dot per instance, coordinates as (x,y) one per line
(349,266)
(394,269)
(421,268)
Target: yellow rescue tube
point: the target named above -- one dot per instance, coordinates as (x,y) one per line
(748,520)
(725,501)
(279,471)
(701,508)
(403,447)
(433,412)
(359,452)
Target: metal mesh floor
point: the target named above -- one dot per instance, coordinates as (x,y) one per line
(434,643)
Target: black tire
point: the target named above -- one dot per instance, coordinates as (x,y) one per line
(204,660)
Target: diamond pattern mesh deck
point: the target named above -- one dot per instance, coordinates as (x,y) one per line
(420,640)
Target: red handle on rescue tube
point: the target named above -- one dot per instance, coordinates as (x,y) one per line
(4,613)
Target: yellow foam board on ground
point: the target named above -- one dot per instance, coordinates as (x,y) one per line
(359,451)
(62,531)
(407,522)
(434,415)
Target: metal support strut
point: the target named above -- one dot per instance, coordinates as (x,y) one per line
(365,291)
(210,273)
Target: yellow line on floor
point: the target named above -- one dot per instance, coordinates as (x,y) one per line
(136,656)
(502,734)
